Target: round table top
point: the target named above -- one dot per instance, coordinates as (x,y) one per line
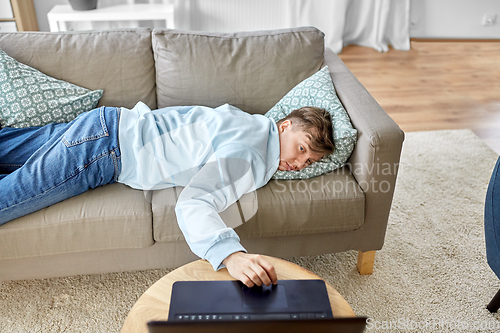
(154,304)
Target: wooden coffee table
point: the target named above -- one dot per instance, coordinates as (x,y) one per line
(154,304)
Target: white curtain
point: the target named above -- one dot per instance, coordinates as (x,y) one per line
(377,23)
(371,23)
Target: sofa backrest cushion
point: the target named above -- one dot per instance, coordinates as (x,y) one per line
(250,70)
(120,62)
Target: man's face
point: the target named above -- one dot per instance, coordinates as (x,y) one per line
(295,153)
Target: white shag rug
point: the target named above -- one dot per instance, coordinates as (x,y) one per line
(431,275)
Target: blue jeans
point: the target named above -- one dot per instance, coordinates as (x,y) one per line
(40,166)
(492,220)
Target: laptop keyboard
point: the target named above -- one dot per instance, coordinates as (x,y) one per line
(265,316)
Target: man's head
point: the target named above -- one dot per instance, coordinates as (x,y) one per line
(306,135)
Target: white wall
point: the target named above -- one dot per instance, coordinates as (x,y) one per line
(42,7)
(231,15)
(453,19)
(430,18)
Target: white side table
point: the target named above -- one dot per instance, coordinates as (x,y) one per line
(60,14)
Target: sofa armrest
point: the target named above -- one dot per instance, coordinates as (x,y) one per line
(375,159)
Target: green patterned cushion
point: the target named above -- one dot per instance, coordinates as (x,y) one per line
(31,98)
(318,91)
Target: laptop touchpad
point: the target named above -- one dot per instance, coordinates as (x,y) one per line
(272,297)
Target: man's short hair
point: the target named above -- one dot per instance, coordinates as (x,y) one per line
(317,123)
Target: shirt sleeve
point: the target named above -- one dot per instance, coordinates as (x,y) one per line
(232,171)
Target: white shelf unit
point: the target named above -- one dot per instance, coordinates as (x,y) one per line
(61,14)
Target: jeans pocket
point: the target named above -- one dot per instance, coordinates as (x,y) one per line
(86,127)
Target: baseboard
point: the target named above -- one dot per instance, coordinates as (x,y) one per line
(456,40)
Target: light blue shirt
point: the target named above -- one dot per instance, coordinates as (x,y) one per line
(218,155)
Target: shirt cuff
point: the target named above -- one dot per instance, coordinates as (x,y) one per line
(221,250)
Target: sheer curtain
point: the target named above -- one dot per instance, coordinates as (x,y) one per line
(377,23)
(371,23)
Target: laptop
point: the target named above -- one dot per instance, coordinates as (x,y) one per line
(332,325)
(229,306)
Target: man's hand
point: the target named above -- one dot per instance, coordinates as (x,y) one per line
(251,269)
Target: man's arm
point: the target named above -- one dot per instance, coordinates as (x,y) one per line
(218,184)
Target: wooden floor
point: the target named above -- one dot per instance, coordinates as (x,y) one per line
(435,85)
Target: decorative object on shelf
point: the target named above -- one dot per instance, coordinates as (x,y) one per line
(83,4)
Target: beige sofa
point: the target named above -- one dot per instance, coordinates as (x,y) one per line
(115,228)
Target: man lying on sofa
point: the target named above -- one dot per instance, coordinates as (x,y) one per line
(216,154)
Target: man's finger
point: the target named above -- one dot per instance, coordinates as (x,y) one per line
(270,271)
(246,281)
(262,274)
(254,278)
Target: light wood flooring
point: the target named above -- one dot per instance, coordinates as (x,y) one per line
(435,85)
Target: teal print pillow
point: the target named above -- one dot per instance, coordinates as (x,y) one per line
(30,98)
(318,91)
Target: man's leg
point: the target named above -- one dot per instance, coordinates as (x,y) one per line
(18,144)
(82,155)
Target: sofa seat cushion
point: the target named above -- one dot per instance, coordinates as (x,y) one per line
(250,70)
(328,203)
(108,217)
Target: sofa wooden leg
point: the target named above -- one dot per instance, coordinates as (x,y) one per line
(365,262)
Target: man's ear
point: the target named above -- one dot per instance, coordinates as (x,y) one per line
(285,124)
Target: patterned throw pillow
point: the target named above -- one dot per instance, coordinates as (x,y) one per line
(31,98)
(318,91)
